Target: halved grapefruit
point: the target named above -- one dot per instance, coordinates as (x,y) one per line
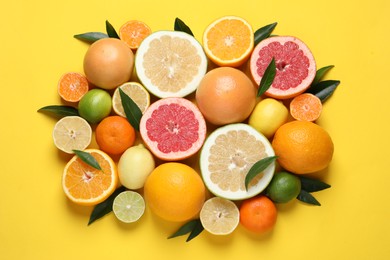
(295,65)
(173,128)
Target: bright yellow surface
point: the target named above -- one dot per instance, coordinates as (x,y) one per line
(38,222)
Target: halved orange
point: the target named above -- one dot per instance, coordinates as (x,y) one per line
(306,107)
(72,86)
(133,32)
(86,185)
(228,41)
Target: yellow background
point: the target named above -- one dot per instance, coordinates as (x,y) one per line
(37,47)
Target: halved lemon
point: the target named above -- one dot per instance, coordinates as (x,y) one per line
(136,92)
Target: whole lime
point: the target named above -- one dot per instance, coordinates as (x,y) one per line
(95,105)
(283,187)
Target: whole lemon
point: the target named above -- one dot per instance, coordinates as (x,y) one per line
(108,63)
(134,166)
(269,114)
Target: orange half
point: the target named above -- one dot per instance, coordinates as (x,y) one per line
(72,86)
(306,107)
(133,32)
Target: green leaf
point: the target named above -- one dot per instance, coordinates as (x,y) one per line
(306,197)
(105,207)
(268,78)
(88,159)
(312,185)
(257,168)
(321,73)
(194,227)
(324,89)
(182,27)
(132,111)
(59,111)
(264,32)
(196,231)
(90,37)
(111,30)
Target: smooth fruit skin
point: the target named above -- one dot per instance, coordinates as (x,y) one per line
(95,105)
(269,114)
(108,63)
(283,187)
(303,147)
(134,166)
(226,95)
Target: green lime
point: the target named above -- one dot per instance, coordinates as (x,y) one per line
(283,187)
(128,206)
(95,105)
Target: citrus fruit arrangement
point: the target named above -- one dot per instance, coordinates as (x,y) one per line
(210,135)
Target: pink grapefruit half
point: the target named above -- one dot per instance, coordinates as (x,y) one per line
(173,128)
(295,65)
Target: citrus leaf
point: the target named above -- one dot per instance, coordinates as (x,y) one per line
(196,230)
(105,207)
(268,78)
(257,168)
(59,111)
(88,159)
(185,229)
(324,89)
(182,27)
(90,37)
(264,32)
(132,111)
(306,197)
(111,30)
(312,185)
(321,73)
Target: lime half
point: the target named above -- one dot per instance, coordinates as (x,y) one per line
(128,206)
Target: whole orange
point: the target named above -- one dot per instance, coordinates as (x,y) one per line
(258,214)
(303,147)
(108,63)
(174,192)
(226,95)
(114,134)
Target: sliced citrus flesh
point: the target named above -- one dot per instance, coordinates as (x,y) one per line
(306,107)
(295,65)
(219,216)
(133,33)
(136,92)
(227,156)
(72,133)
(72,86)
(86,185)
(170,63)
(128,206)
(228,41)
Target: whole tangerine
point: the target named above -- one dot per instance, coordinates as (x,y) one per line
(226,95)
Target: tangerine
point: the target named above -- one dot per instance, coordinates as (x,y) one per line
(72,86)
(133,32)
(306,107)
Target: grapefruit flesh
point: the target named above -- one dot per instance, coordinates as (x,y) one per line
(173,128)
(295,65)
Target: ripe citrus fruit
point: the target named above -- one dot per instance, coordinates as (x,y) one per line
(269,114)
(302,147)
(134,166)
(114,134)
(295,65)
(133,32)
(306,107)
(226,95)
(226,157)
(283,187)
(170,63)
(72,86)
(85,185)
(219,216)
(258,214)
(95,105)
(108,63)
(228,41)
(128,206)
(136,92)
(72,133)
(173,128)
(174,192)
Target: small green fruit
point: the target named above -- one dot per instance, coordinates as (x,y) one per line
(95,105)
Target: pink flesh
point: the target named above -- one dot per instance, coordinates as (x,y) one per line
(174,127)
(291,64)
